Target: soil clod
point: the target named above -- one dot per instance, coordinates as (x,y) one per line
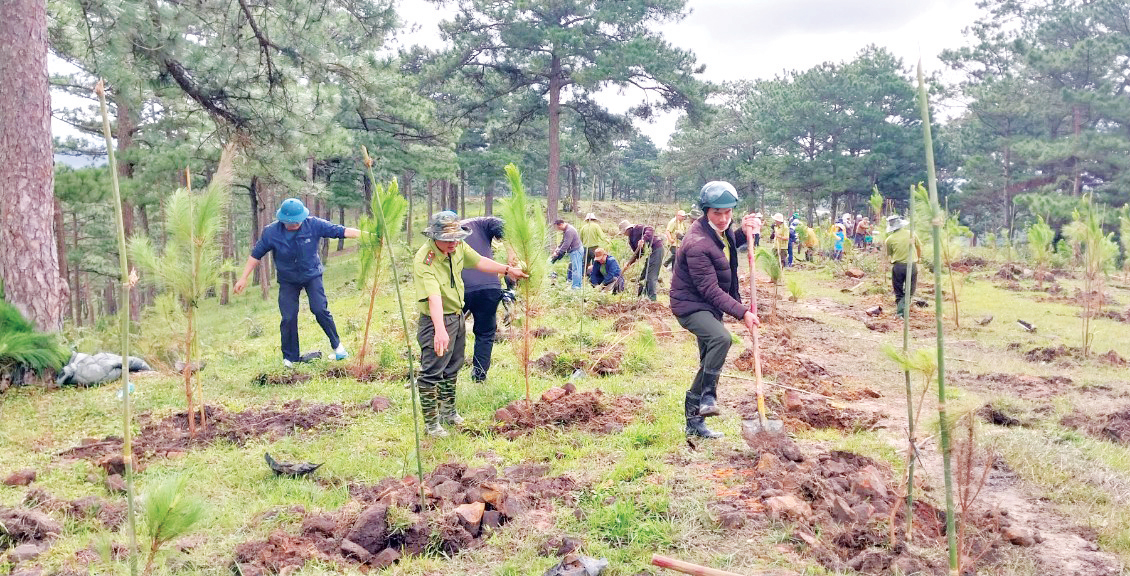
(560,407)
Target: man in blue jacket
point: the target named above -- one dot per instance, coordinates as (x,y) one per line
(294,239)
(605,272)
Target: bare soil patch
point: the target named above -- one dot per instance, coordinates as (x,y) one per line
(170,436)
(589,410)
(841,507)
(1021,385)
(110,514)
(1068,356)
(1114,426)
(384,522)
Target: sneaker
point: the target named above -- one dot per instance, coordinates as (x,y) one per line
(454,419)
(437,431)
(288,363)
(340,353)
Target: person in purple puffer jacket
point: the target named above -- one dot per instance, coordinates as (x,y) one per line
(704,286)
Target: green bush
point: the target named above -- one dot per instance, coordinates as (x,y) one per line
(22,349)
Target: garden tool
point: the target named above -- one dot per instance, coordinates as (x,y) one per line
(687,567)
(763,425)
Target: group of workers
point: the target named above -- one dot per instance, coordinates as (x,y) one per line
(455,275)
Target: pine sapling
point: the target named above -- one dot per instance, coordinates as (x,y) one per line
(526,235)
(392,208)
(770,263)
(171,512)
(1040,238)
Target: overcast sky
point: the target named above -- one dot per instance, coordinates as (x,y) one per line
(750,39)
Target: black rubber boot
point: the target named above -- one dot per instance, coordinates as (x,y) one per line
(707,406)
(696,426)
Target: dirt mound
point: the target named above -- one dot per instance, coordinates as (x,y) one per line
(26,526)
(170,435)
(968,263)
(634,307)
(1020,385)
(110,514)
(1069,356)
(841,506)
(364,373)
(590,410)
(383,522)
(287,378)
(1114,427)
(807,412)
(1010,271)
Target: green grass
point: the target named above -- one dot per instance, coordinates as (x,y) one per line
(643,491)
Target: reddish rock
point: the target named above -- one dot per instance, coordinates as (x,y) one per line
(447,490)
(20,477)
(25,552)
(351,549)
(492,518)
(1020,536)
(379,404)
(505,416)
(370,530)
(478,476)
(116,484)
(854,273)
(512,505)
(553,394)
(113,464)
(471,513)
(318,524)
(385,558)
(788,507)
(869,483)
(841,511)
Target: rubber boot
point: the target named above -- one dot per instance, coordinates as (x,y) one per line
(707,405)
(447,413)
(696,425)
(429,406)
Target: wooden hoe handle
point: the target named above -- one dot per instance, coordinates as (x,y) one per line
(687,567)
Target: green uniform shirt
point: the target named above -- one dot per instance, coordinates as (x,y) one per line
(592,235)
(898,246)
(675,231)
(439,273)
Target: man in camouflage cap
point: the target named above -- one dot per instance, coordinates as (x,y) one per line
(442,334)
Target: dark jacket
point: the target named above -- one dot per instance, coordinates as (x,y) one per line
(640,236)
(609,274)
(570,241)
(484,230)
(703,278)
(296,253)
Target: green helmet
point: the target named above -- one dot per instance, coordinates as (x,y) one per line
(717,194)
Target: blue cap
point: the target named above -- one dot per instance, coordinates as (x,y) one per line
(292,211)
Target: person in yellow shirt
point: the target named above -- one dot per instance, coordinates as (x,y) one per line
(442,335)
(592,237)
(900,241)
(676,229)
(780,237)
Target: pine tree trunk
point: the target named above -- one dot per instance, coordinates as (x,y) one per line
(227,250)
(61,250)
(574,189)
(462,193)
(29,261)
(452,196)
(431,198)
(488,199)
(553,188)
(341,220)
(407,177)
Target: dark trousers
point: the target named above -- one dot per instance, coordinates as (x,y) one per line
(713,345)
(483,306)
(670,256)
(590,254)
(898,282)
(649,276)
(791,253)
(435,369)
(288,308)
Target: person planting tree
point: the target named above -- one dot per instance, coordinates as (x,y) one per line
(570,246)
(482,292)
(294,238)
(592,237)
(676,230)
(704,286)
(641,237)
(605,273)
(899,242)
(442,334)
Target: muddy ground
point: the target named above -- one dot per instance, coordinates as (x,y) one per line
(385,521)
(170,436)
(588,410)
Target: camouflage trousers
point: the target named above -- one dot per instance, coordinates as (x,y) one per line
(438,374)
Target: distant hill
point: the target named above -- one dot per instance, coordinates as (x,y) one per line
(79,161)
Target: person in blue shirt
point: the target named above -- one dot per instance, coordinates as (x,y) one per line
(605,272)
(294,239)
